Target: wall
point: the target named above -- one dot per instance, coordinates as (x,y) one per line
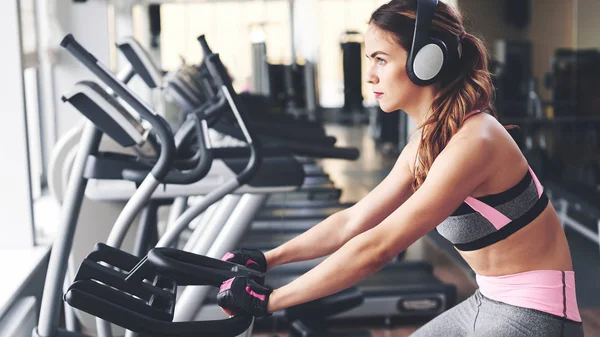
(486,19)
(587,24)
(551,27)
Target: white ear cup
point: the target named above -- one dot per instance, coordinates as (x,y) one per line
(428,62)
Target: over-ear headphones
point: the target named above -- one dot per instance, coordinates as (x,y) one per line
(428,55)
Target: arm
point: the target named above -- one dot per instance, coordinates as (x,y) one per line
(454,175)
(342,226)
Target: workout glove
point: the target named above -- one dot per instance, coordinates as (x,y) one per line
(242,294)
(251,258)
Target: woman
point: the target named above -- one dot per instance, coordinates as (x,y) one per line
(464,176)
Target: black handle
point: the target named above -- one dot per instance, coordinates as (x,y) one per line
(144,305)
(217,105)
(211,110)
(290,132)
(201,169)
(90,297)
(219,74)
(168,151)
(204,45)
(270,150)
(143,69)
(188,268)
(69,41)
(316,151)
(296,147)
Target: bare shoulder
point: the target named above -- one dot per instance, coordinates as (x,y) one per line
(483,138)
(408,155)
(485,130)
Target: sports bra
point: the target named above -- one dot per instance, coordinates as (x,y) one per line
(480,222)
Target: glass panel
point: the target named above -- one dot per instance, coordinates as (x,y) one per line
(228,27)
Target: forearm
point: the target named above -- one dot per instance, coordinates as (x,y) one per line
(311,244)
(353,262)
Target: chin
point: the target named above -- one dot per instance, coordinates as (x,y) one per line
(387,108)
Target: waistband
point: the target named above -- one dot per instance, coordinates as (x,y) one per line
(551,291)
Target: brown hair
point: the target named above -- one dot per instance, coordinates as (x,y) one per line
(465,86)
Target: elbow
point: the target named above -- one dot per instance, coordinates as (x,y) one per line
(385,249)
(377,255)
(353,224)
(381,257)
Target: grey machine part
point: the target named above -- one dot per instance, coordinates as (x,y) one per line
(50,306)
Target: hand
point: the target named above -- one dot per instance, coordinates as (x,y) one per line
(251,258)
(244,295)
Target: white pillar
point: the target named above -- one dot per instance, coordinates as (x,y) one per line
(15,192)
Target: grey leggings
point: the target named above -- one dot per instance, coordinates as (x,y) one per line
(480,316)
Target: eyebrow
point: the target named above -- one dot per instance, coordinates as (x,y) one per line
(375,54)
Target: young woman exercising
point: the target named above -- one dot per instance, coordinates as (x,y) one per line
(464,176)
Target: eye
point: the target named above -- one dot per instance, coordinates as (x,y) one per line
(380,61)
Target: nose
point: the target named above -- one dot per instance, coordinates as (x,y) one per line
(372,76)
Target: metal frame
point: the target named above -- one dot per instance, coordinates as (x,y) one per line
(562,209)
(229,235)
(50,307)
(567,221)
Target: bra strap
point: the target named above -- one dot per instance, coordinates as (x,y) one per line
(474,112)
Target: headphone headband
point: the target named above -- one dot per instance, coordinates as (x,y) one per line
(425,12)
(427,55)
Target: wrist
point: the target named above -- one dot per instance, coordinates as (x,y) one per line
(271,304)
(271,258)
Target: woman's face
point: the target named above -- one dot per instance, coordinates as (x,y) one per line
(387,71)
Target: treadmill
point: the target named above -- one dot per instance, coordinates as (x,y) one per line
(186,90)
(321,192)
(188,87)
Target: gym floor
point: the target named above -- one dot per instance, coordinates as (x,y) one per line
(357,178)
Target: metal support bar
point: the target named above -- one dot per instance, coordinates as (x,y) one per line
(566,220)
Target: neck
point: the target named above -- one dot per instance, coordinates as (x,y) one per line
(420,110)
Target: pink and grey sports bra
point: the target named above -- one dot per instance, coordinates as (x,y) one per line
(480,222)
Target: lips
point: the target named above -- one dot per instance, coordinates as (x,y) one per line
(378,94)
